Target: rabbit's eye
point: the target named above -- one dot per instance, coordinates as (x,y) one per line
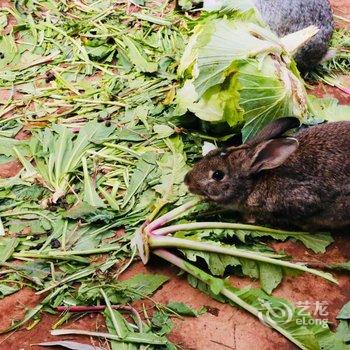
(218,175)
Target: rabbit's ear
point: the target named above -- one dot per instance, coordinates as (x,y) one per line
(275,129)
(271,154)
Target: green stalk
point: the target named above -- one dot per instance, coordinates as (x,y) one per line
(158,242)
(29,256)
(58,254)
(122,148)
(110,157)
(29,212)
(115,317)
(208,279)
(28,316)
(96,102)
(64,234)
(151,19)
(78,275)
(181,243)
(217,225)
(130,338)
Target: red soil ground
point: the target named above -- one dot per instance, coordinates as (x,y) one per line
(223,327)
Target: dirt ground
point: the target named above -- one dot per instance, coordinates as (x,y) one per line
(223,327)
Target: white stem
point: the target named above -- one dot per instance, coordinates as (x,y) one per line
(293,41)
(168,241)
(170,216)
(221,225)
(157,242)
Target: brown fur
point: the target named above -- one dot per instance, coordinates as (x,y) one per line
(310,190)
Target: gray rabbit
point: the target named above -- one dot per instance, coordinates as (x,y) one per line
(289,182)
(288,16)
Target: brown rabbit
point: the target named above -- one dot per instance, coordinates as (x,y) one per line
(301,181)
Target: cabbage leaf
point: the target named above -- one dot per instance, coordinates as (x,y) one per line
(236,70)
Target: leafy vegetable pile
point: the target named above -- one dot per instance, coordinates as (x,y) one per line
(232,60)
(232,57)
(95,84)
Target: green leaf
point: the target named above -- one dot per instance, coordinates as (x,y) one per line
(294,323)
(161,322)
(185,310)
(58,152)
(328,108)
(82,209)
(343,333)
(219,103)
(143,168)
(217,263)
(137,57)
(7,290)
(9,50)
(163,131)
(30,171)
(99,52)
(138,338)
(251,259)
(36,271)
(217,55)
(27,317)
(3,21)
(316,242)
(2,229)
(115,323)
(270,83)
(90,195)
(7,247)
(29,192)
(340,266)
(7,146)
(235,72)
(143,284)
(91,132)
(173,169)
(65,344)
(151,19)
(60,149)
(344,313)
(270,276)
(116,345)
